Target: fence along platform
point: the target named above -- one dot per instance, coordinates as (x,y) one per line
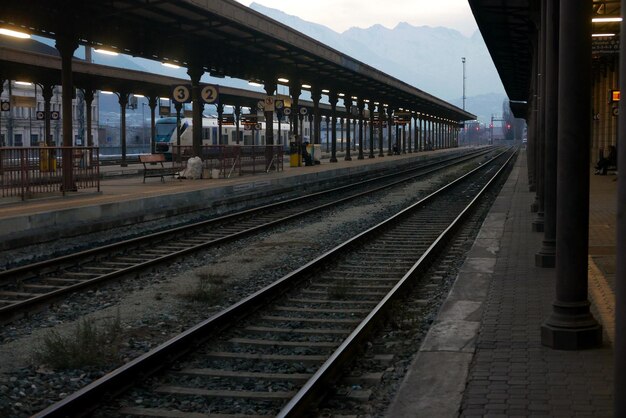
(29,171)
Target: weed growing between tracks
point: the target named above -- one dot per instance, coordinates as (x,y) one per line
(89,345)
(210,289)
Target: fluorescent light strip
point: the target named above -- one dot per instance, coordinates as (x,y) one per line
(14,33)
(598,35)
(606,19)
(105,52)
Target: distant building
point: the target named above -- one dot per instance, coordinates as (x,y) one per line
(23,125)
(21,117)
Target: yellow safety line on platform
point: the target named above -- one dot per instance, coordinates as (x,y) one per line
(603,299)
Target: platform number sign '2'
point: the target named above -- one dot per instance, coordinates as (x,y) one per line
(210,94)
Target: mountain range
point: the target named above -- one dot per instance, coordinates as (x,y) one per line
(428,58)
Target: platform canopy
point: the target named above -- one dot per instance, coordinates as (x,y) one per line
(510,30)
(223,37)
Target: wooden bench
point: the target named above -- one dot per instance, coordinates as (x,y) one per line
(151,169)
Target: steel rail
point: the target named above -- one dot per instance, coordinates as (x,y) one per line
(9,311)
(207,223)
(318,384)
(85,400)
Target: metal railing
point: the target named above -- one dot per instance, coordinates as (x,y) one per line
(27,172)
(233,159)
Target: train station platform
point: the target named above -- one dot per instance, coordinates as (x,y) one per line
(483,355)
(125,199)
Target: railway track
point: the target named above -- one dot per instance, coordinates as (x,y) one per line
(276,352)
(29,287)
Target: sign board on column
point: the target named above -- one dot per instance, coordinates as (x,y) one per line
(164,110)
(23,101)
(210,94)
(181,93)
(269,103)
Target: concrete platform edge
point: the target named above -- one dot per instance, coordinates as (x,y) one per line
(216,199)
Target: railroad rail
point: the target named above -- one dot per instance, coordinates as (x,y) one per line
(31,286)
(276,352)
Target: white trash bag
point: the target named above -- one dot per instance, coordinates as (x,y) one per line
(193,169)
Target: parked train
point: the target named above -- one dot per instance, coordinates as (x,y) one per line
(166,135)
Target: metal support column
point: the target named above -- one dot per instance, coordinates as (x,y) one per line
(332,98)
(546,257)
(361,106)
(47,91)
(153,101)
(342,135)
(571,324)
(620,274)
(347,102)
(89,95)
(389,130)
(123,101)
(538,222)
(66,45)
(410,134)
(270,87)
(370,107)
(316,95)
(220,124)
(237,115)
(195,72)
(178,106)
(381,118)
(415,132)
(295,90)
(422,133)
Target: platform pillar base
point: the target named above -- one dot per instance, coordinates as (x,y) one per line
(546,257)
(571,327)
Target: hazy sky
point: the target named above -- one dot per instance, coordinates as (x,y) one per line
(340,15)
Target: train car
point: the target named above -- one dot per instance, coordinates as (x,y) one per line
(166,136)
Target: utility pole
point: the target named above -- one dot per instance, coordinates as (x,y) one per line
(463,61)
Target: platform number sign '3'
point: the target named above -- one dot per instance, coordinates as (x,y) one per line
(210,94)
(181,93)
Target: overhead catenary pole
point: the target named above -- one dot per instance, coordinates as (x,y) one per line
(463,61)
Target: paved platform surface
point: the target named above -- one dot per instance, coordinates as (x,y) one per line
(483,356)
(126,183)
